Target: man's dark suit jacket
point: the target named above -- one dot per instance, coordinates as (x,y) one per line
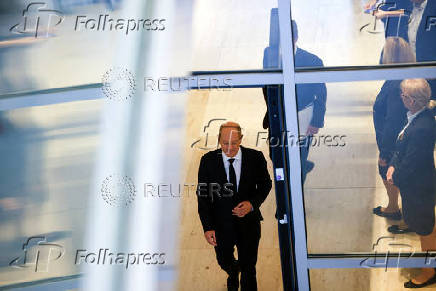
(254,185)
(414,161)
(308,93)
(390,116)
(396,25)
(426,41)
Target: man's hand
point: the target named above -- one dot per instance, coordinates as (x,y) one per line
(210,237)
(380,14)
(242,209)
(390,174)
(369,4)
(311,130)
(382,162)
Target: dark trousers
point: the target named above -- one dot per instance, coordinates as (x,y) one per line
(305,145)
(246,240)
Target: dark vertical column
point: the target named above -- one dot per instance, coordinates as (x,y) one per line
(278,155)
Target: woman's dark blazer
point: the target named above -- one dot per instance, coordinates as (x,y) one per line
(415,173)
(414,157)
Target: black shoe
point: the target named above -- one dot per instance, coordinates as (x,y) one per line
(430,281)
(393,216)
(395,229)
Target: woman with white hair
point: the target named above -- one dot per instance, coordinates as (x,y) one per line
(412,170)
(389,115)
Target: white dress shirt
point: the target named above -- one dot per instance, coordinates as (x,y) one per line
(410,118)
(236,165)
(415,21)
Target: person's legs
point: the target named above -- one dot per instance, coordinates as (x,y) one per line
(304,154)
(393,194)
(227,262)
(428,243)
(247,244)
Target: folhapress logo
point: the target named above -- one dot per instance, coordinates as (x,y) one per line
(107,23)
(118,190)
(38,254)
(206,145)
(431,23)
(38,20)
(106,257)
(118,84)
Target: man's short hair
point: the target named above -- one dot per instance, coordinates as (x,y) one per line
(238,129)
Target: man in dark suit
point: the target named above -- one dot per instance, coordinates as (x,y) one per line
(425,36)
(425,33)
(311,97)
(233,182)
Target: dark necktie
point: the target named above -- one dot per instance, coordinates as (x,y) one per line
(232,176)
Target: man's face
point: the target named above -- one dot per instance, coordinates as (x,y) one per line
(230,141)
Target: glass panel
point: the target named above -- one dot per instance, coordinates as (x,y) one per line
(363,279)
(344,185)
(231,35)
(341,33)
(48,156)
(73,43)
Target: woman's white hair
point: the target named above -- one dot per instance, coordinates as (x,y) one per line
(417,89)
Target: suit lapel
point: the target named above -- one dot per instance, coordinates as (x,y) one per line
(413,123)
